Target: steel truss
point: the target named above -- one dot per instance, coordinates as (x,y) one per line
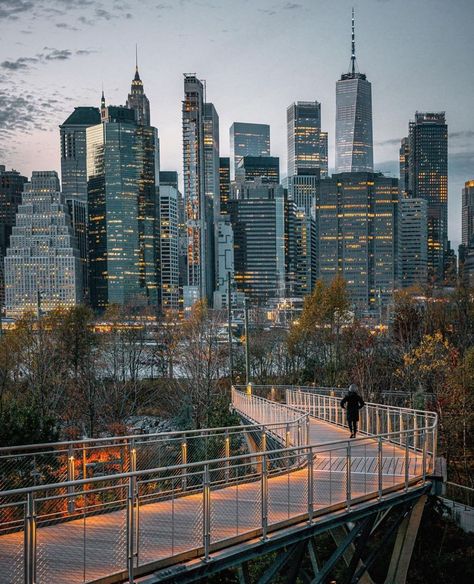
(361,537)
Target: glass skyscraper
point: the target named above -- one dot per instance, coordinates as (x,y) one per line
(356,226)
(354,143)
(224,183)
(428,179)
(266,168)
(247,140)
(42,266)
(307,145)
(138,101)
(122,170)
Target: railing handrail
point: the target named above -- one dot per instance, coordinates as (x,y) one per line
(426,413)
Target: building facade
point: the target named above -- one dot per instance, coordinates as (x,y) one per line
(224,183)
(412,242)
(467,211)
(356,226)
(260,241)
(169,248)
(42,265)
(354,142)
(303,191)
(122,170)
(266,168)
(307,145)
(74,152)
(428,180)
(138,101)
(247,140)
(11,189)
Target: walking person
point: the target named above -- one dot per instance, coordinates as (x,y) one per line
(352,403)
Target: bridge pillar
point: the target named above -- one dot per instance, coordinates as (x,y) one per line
(404,544)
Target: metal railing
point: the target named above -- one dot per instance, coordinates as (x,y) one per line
(401,426)
(31,465)
(289,424)
(174,513)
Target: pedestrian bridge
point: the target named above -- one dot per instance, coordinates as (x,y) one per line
(178,506)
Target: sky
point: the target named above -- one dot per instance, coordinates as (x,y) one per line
(256,56)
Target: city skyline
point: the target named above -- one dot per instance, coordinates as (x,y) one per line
(73,76)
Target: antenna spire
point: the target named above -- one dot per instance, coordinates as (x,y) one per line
(136,56)
(353,50)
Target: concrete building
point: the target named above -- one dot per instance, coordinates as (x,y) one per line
(42,265)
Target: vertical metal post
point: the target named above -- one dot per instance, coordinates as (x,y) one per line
(377,420)
(415,432)
(264,440)
(184,460)
(287,436)
(407,462)
(310,486)
(227,455)
(84,463)
(307,428)
(299,433)
(423,445)
(348,475)
(206,504)
(229,326)
(70,478)
(367,419)
(133,456)
(401,427)
(131,528)
(380,462)
(29,544)
(264,496)
(247,347)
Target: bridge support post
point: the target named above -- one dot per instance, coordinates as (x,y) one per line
(29,545)
(404,544)
(380,464)
(227,455)
(206,512)
(310,486)
(70,477)
(184,460)
(264,497)
(348,476)
(131,528)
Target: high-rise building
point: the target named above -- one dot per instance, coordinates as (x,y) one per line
(412,245)
(428,179)
(225,263)
(224,183)
(468,213)
(77,209)
(42,265)
(122,170)
(247,140)
(304,137)
(74,152)
(356,224)
(323,155)
(260,241)
(11,189)
(303,191)
(266,168)
(404,168)
(169,248)
(302,246)
(196,208)
(138,101)
(354,143)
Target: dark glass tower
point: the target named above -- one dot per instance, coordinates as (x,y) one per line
(305,151)
(354,143)
(122,166)
(267,168)
(224,183)
(428,179)
(11,189)
(247,140)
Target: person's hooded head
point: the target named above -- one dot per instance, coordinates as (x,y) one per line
(352,388)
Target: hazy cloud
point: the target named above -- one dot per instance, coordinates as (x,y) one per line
(11,8)
(48,54)
(292,6)
(19,64)
(389,142)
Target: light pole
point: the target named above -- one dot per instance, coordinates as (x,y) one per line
(247,352)
(229,327)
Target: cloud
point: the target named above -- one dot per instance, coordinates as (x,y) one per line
(461,134)
(48,54)
(65,26)
(389,142)
(292,6)
(12,8)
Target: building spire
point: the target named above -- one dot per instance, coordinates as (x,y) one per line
(353,49)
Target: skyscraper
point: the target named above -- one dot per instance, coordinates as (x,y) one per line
(412,239)
(404,167)
(169,248)
(304,138)
(428,179)
(468,213)
(224,183)
(303,190)
(260,251)
(73,150)
(247,140)
(138,101)
(354,146)
(122,170)
(266,168)
(323,144)
(356,223)
(42,266)
(196,208)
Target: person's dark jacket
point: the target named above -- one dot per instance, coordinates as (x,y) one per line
(352,403)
